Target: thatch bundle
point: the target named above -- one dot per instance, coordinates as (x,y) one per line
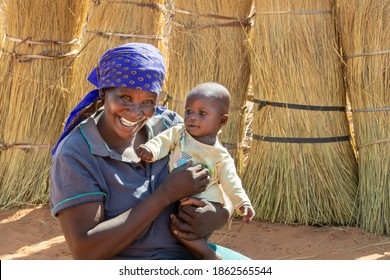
(41,39)
(365,38)
(112,23)
(208,43)
(301,167)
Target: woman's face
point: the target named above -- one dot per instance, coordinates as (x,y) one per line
(126,110)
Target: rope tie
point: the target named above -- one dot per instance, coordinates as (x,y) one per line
(263,103)
(294,12)
(366,54)
(125,36)
(30,41)
(370,110)
(4,147)
(225,24)
(232,21)
(145,5)
(301,140)
(374,142)
(46,54)
(181,102)
(186,12)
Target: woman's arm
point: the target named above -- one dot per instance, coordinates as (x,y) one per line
(90,237)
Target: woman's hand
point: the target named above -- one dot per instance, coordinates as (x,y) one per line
(185,181)
(198,218)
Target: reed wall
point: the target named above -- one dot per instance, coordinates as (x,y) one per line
(40,39)
(365,40)
(301,167)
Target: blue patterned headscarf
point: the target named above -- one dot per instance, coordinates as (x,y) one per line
(132,65)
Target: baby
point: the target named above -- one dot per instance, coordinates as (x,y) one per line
(206,112)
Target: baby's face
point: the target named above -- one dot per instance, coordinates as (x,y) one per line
(203,116)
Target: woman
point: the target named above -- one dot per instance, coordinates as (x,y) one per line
(109,203)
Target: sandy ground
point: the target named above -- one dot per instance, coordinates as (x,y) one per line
(33,234)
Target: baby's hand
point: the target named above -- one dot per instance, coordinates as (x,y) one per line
(248,213)
(144,153)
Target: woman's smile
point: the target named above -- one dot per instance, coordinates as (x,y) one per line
(130,124)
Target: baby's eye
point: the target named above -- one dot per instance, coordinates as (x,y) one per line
(187,112)
(202,113)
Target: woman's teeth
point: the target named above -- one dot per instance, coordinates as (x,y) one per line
(129,123)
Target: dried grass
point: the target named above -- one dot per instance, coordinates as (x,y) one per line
(365,37)
(34,80)
(208,43)
(295,60)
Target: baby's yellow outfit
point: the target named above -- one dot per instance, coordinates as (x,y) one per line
(181,146)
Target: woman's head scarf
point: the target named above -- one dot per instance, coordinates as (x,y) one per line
(132,65)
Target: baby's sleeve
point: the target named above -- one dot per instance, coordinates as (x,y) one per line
(161,144)
(231,183)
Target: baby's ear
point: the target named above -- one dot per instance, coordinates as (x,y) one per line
(223,120)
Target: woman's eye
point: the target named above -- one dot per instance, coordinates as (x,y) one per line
(149,102)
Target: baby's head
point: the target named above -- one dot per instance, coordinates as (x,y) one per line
(206,109)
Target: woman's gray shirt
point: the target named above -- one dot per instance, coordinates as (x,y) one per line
(84,169)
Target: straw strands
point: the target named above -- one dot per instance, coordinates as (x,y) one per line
(112,23)
(40,40)
(301,166)
(208,43)
(365,37)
